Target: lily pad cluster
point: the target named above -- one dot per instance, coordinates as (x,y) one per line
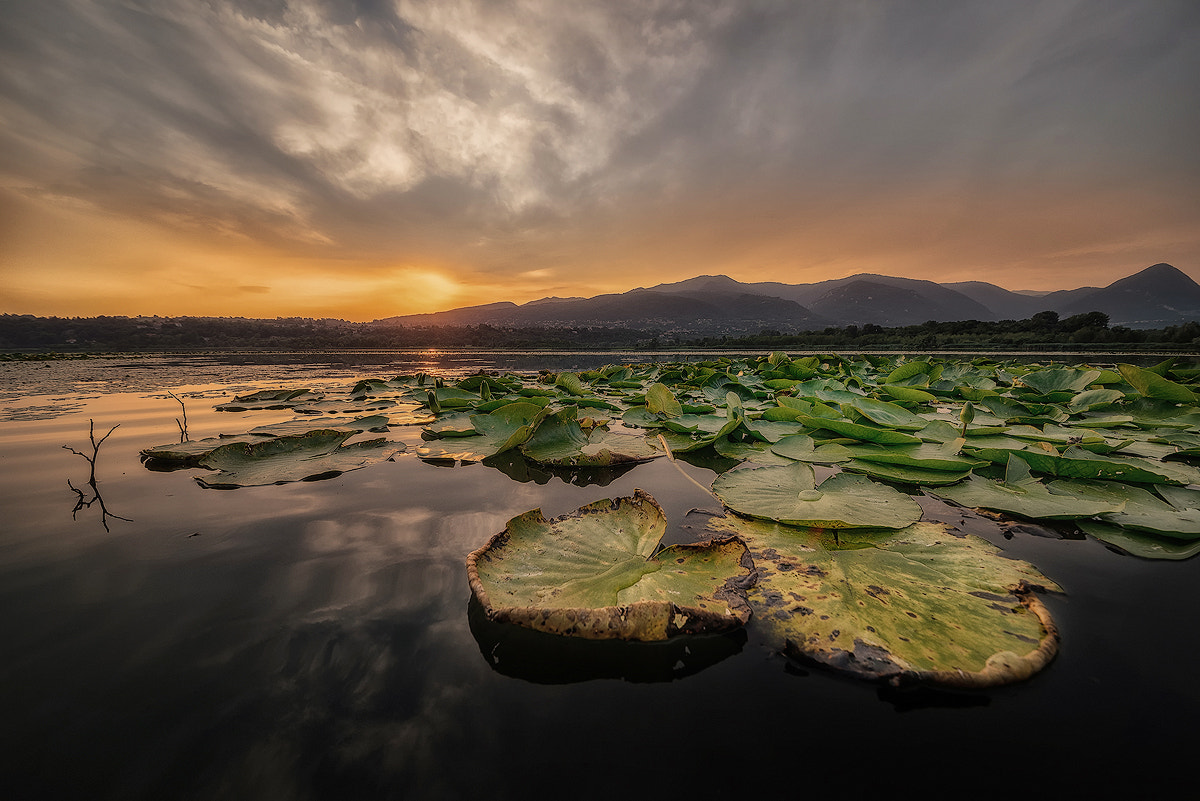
(818,459)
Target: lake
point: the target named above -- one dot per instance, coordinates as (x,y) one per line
(317,639)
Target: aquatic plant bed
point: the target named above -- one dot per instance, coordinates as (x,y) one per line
(816,534)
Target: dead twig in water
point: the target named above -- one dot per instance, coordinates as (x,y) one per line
(183,427)
(95,448)
(82,501)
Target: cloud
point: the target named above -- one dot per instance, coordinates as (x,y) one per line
(506,138)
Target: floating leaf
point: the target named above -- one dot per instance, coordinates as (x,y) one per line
(790,495)
(1152,385)
(318,454)
(594,574)
(803,448)
(1139,543)
(570,383)
(660,400)
(1142,510)
(906,474)
(889,415)
(917,604)
(1065,379)
(269,399)
(499,431)
(561,441)
(927,456)
(862,432)
(1024,496)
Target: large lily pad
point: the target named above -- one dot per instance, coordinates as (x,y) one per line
(915,604)
(595,574)
(790,495)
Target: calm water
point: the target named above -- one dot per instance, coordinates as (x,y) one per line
(316,640)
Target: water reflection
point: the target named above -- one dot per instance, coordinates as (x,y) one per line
(81,500)
(514,465)
(542,658)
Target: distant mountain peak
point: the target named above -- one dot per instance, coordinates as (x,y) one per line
(717,304)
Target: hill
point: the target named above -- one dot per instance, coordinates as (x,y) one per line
(709,305)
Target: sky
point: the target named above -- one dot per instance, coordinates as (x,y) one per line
(360,159)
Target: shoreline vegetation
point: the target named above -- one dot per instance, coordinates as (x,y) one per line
(24,337)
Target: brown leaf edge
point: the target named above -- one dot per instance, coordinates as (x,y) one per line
(1001,668)
(1004,667)
(644,621)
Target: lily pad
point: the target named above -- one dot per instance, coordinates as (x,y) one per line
(790,495)
(1022,495)
(918,604)
(859,431)
(1142,510)
(804,448)
(1140,543)
(499,431)
(595,574)
(311,456)
(560,441)
(270,399)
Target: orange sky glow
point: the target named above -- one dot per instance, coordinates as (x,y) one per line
(262,160)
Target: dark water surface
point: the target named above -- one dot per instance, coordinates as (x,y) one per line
(316,640)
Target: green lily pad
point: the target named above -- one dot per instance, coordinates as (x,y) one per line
(559,440)
(595,574)
(889,415)
(1142,510)
(859,431)
(279,460)
(1022,495)
(919,604)
(660,400)
(1138,543)
(927,456)
(1152,385)
(1065,379)
(189,454)
(790,495)
(906,474)
(803,448)
(499,431)
(759,453)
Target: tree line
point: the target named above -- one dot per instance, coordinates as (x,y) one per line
(1044,330)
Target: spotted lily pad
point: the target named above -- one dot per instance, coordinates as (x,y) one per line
(595,574)
(918,604)
(789,494)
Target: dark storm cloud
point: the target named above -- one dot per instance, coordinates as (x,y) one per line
(447,127)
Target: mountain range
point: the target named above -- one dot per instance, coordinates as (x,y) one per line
(1155,297)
